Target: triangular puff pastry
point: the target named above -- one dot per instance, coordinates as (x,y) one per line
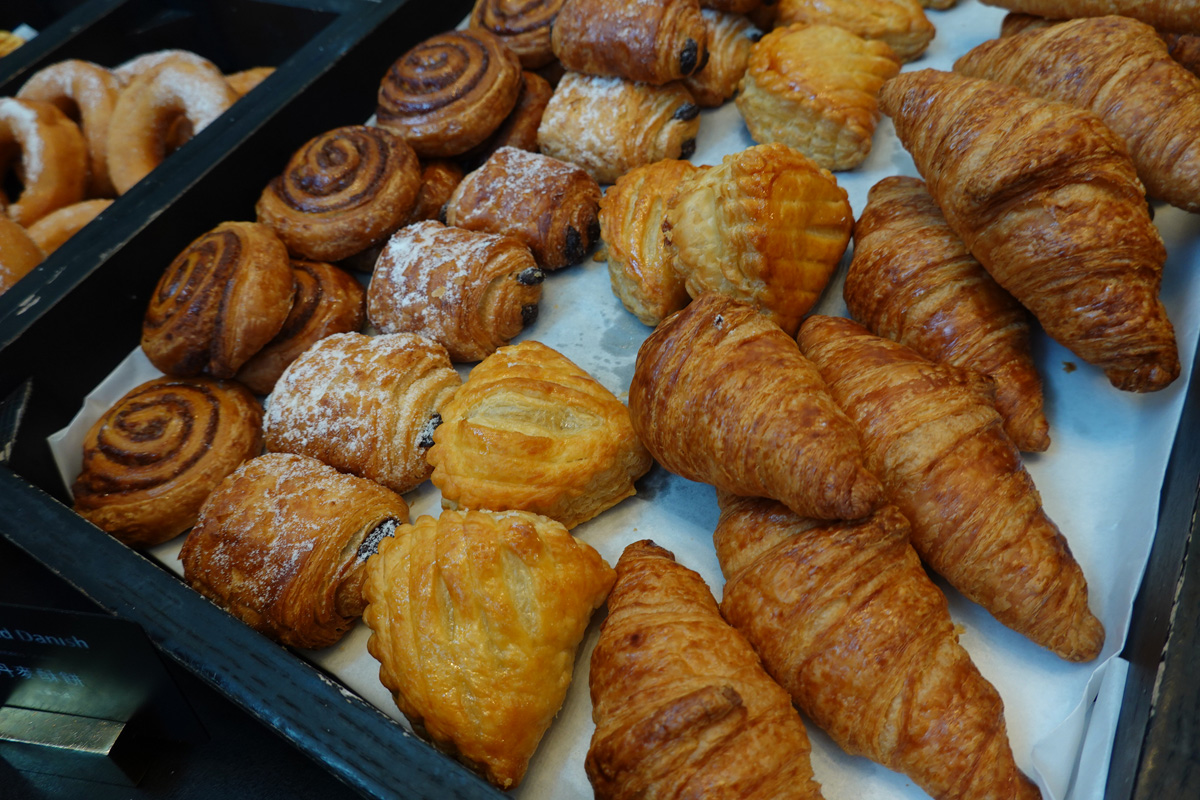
(475,619)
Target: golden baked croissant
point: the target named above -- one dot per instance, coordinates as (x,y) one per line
(681,703)
(653,43)
(1120,69)
(530,430)
(846,620)
(932,435)
(902,24)
(1178,16)
(1185,49)
(767,226)
(721,395)
(1045,196)
(913,281)
(475,618)
(730,37)
(282,544)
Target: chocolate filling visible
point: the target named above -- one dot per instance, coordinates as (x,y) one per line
(688,58)
(573,249)
(704,61)
(370,542)
(593,230)
(686,112)
(529,313)
(426,439)
(442,213)
(530,277)
(687,149)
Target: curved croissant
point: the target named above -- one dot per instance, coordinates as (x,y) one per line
(1178,16)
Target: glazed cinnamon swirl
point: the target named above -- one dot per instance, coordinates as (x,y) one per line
(523,26)
(342,192)
(449,93)
(153,458)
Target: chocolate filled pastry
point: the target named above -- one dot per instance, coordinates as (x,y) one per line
(19,253)
(902,24)
(523,26)
(342,192)
(219,302)
(469,292)
(362,404)
(648,41)
(52,230)
(87,93)
(153,458)
(475,620)
(519,128)
(721,395)
(639,268)
(730,37)
(547,204)
(608,126)
(327,301)
(767,226)
(816,88)
(530,430)
(450,92)
(439,178)
(46,154)
(283,543)
(682,705)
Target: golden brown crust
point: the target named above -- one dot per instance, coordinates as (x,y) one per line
(722,395)
(283,542)
(1119,69)
(912,280)
(1173,16)
(653,42)
(469,292)
(815,88)
(608,126)
(547,204)
(327,301)
(341,192)
(19,253)
(130,70)
(631,214)
(519,128)
(450,92)
(931,434)
(730,37)
(475,618)
(219,302)
(153,458)
(52,230)
(530,430)
(733,6)
(364,405)
(246,80)
(1185,49)
(767,226)
(523,26)
(439,178)
(902,24)
(846,620)
(681,703)
(47,153)
(1045,196)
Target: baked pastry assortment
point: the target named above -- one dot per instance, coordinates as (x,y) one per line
(1172,16)
(42,146)
(283,542)
(682,705)
(151,460)
(475,618)
(529,430)
(901,24)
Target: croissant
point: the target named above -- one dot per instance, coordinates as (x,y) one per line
(1120,69)
(475,618)
(846,620)
(653,43)
(1185,49)
(932,435)
(913,281)
(721,395)
(1177,16)
(681,703)
(1045,196)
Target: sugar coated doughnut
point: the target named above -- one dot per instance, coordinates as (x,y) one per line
(48,155)
(56,227)
(138,65)
(242,82)
(18,253)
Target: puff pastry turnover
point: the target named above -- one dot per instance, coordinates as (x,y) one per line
(902,24)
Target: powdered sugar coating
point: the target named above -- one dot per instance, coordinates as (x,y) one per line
(21,119)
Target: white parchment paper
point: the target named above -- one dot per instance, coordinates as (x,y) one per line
(1100,482)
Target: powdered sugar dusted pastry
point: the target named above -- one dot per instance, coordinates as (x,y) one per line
(730,37)
(42,146)
(815,88)
(470,292)
(283,543)
(900,23)
(523,26)
(530,430)
(342,192)
(547,204)
(631,214)
(366,405)
(52,230)
(767,226)
(129,70)
(151,460)
(475,618)
(649,41)
(608,126)
(18,253)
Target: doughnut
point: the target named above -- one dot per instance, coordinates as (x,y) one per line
(56,227)
(147,107)
(137,65)
(242,82)
(18,253)
(9,42)
(87,93)
(47,154)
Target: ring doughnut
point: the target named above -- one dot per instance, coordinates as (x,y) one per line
(146,108)
(138,65)
(18,253)
(52,230)
(242,82)
(48,155)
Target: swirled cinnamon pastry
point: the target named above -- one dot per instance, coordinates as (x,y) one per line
(523,26)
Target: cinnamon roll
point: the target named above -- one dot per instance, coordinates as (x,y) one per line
(342,192)
(45,149)
(439,178)
(523,26)
(450,92)
(151,460)
(520,128)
